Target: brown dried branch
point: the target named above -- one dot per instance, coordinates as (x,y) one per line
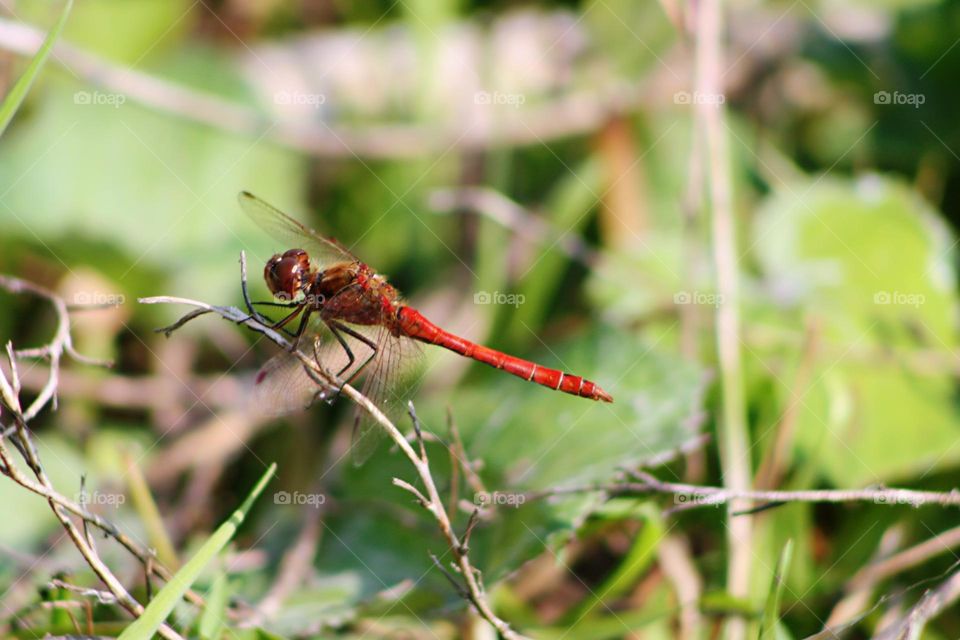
(933,603)
(59,345)
(513,216)
(573,114)
(863,583)
(691,496)
(19,435)
(472,588)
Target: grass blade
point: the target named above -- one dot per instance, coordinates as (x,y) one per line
(19,91)
(161,606)
(214,617)
(146,508)
(771,612)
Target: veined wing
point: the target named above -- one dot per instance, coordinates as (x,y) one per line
(280,226)
(384,386)
(283,386)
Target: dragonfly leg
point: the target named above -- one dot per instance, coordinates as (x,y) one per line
(346,347)
(325,387)
(303,323)
(336,328)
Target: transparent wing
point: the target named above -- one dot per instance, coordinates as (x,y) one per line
(284,386)
(293,235)
(384,375)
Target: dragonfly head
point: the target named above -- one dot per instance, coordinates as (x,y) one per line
(285,273)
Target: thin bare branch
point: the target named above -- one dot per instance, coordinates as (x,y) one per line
(513,216)
(430,499)
(576,113)
(18,434)
(932,604)
(691,496)
(103,597)
(403,484)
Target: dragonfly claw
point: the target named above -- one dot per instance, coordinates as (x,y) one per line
(328,395)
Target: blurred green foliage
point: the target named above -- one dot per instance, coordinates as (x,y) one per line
(846,207)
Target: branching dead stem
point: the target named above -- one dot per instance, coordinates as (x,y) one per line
(469,584)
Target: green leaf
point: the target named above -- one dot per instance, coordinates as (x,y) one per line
(569,202)
(528,438)
(150,27)
(19,91)
(149,513)
(33,522)
(161,606)
(872,263)
(172,190)
(328,599)
(641,555)
(771,613)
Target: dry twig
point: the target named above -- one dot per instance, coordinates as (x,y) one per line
(691,496)
(933,603)
(574,114)
(60,345)
(472,588)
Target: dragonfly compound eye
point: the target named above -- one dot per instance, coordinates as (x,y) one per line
(284,275)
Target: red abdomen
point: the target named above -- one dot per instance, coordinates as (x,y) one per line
(414,325)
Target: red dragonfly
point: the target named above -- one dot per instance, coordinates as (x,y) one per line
(320,279)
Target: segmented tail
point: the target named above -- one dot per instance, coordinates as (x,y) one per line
(416,326)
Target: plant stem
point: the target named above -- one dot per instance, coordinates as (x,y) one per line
(733,438)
